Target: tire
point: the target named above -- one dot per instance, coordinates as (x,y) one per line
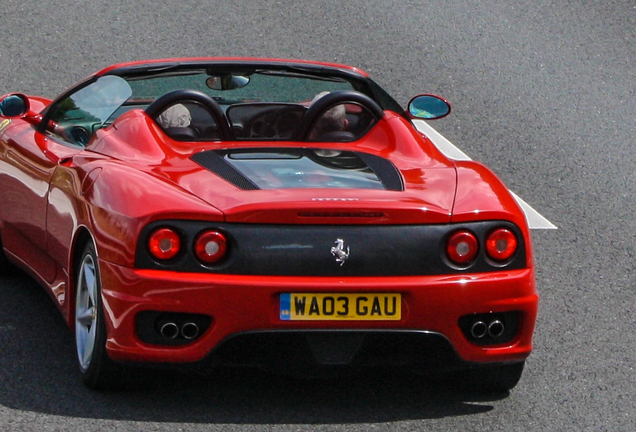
(489,379)
(97,370)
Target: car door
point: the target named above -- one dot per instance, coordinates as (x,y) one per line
(29,161)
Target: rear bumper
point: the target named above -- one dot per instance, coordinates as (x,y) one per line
(246,305)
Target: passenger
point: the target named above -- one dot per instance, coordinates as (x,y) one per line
(175,116)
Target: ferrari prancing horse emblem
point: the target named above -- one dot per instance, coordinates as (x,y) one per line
(339,251)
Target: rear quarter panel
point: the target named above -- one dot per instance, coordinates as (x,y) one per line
(122,199)
(481,195)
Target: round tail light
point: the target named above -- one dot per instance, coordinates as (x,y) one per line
(210,246)
(164,244)
(501,244)
(462,247)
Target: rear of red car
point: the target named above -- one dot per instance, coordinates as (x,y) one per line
(432,269)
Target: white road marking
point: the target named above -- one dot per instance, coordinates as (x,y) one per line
(534,218)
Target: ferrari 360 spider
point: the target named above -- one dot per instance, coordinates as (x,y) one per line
(272,213)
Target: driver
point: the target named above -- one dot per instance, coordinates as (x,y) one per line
(332,120)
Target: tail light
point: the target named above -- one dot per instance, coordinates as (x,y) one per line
(164,244)
(462,247)
(501,244)
(210,246)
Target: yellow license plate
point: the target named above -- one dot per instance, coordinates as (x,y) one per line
(329,306)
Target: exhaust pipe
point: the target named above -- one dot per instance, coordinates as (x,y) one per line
(169,330)
(479,330)
(495,329)
(189,330)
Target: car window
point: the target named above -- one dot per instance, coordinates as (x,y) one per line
(82,113)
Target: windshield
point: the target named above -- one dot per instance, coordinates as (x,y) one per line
(259,103)
(259,86)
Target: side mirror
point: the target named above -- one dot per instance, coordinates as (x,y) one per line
(428,107)
(15,105)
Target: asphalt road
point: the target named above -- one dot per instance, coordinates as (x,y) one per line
(544,92)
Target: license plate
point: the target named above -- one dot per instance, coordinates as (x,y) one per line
(345,307)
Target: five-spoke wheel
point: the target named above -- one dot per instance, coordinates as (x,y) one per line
(97,369)
(86,311)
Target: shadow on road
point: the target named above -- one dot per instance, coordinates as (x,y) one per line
(37,373)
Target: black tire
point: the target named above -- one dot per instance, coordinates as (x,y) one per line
(489,379)
(98,371)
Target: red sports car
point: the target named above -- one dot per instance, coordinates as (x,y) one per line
(274,213)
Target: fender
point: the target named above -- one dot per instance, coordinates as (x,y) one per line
(493,200)
(121,200)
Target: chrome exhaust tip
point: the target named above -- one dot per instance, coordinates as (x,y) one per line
(496,329)
(169,330)
(189,330)
(479,330)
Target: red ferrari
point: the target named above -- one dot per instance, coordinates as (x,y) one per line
(273,213)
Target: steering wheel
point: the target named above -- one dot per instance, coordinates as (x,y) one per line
(160,104)
(78,135)
(329,101)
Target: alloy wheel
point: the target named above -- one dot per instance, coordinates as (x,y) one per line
(86,311)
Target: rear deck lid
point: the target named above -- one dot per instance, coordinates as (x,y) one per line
(312,185)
